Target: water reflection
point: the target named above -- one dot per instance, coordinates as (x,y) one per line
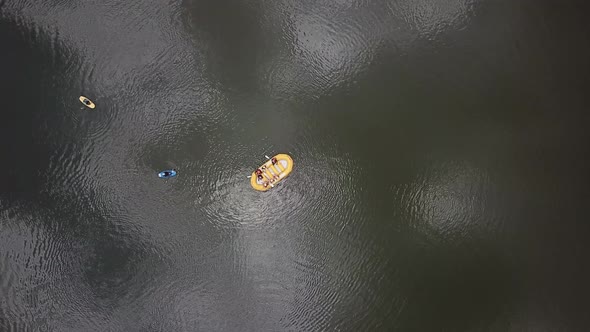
(431,17)
(452,200)
(328,47)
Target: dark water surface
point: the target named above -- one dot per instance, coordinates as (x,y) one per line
(441,171)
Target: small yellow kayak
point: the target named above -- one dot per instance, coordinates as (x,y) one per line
(87,102)
(272,172)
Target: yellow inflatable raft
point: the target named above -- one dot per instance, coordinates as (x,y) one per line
(272,173)
(87,102)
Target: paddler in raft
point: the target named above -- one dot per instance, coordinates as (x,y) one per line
(260,178)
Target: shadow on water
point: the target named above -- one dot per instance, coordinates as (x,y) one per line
(221,43)
(451,286)
(72,250)
(25,153)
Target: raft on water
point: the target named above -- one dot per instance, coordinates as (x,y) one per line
(272,173)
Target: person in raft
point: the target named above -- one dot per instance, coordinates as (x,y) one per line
(274,160)
(259,175)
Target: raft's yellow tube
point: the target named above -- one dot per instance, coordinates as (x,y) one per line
(285,167)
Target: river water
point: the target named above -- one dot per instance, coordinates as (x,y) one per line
(440,179)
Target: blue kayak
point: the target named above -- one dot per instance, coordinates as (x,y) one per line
(170,173)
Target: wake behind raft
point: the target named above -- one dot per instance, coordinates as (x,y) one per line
(272,172)
(167,174)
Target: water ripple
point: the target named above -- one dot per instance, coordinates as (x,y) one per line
(448,201)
